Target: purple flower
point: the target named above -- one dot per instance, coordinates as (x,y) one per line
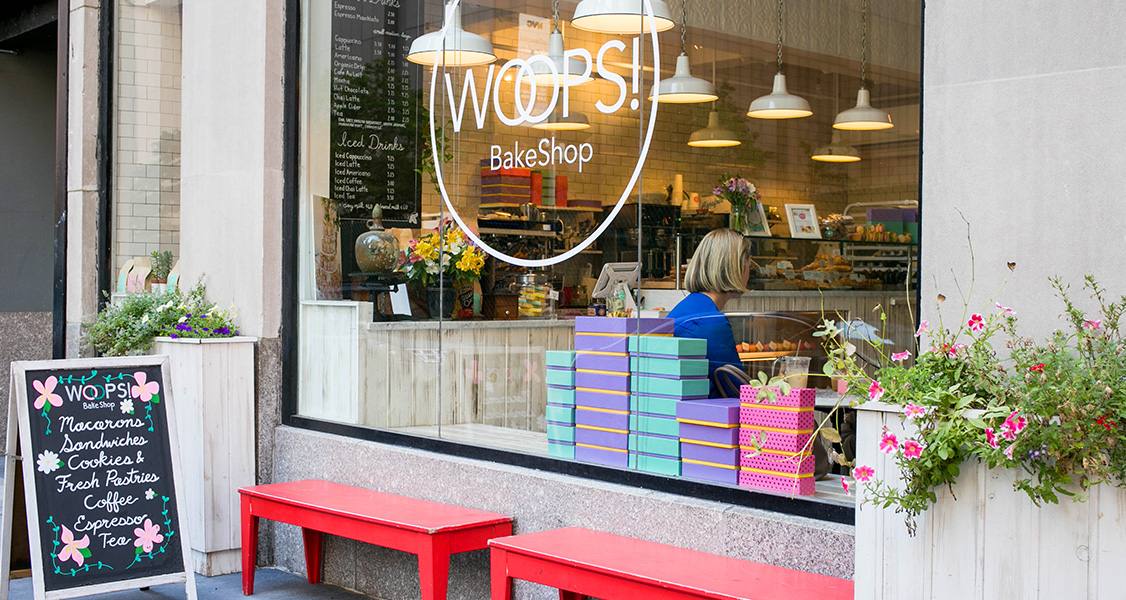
(173,335)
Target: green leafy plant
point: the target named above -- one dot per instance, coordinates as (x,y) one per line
(769,388)
(130,324)
(161,265)
(1053,410)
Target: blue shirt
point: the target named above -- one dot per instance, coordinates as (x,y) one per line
(697,317)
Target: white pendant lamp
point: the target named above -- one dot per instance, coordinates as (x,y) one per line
(578,71)
(682,87)
(456,48)
(621,16)
(837,151)
(779,103)
(863,117)
(574,121)
(713,136)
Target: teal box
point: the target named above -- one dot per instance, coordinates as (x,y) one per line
(653,405)
(896,228)
(654,424)
(563,396)
(655,464)
(689,367)
(913,229)
(653,444)
(560,358)
(560,414)
(660,386)
(561,450)
(668,346)
(563,377)
(560,433)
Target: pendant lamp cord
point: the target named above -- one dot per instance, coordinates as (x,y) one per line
(864,45)
(779,36)
(555,13)
(683,26)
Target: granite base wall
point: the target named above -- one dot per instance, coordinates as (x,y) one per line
(539,500)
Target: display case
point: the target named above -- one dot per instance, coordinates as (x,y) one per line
(766,337)
(797,264)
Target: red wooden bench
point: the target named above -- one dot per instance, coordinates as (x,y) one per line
(431,530)
(583,562)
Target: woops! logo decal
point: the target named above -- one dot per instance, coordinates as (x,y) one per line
(546,152)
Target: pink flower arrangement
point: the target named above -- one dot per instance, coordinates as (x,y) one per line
(863,473)
(912,449)
(889,443)
(901,356)
(875,392)
(976,323)
(913,411)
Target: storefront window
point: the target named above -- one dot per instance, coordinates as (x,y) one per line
(146,142)
(536,193)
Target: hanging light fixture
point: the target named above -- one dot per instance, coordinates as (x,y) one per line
(863,117)
(578,71)
(713,136)
(620,16)
(574,121)
(451,46)
(779,103)
(682,87)
(836,151)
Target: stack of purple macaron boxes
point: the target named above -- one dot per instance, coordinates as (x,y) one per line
(709,439)
(774,439)
(561,403)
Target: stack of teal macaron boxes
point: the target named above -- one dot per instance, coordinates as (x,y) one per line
(666,372)
(561,403)
(602,385)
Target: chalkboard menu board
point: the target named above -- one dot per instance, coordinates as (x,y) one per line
(100,467)
(377,122)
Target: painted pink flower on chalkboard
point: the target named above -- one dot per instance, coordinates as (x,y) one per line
(147,536)
(144,390)
(74,549)
(47,393)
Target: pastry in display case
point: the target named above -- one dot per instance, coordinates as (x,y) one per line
(763,338)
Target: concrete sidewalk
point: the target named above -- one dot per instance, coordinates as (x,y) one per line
(269,584)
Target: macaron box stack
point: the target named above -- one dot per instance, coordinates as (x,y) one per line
(665,373)
(774,441)
(709,439)
(560,403)
(602,385)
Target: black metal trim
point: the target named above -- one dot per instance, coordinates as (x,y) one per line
(811,508)
(289,283)
(104,148)
(62,86)
(922,132)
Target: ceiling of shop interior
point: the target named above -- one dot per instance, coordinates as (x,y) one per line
(21,20)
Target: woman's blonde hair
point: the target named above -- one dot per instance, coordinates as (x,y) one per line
(717,266)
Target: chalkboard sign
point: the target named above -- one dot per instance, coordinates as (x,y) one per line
(375,135)
(101,475)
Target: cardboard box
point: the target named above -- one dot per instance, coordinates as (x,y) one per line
(561,450)
(719,411)
(777,417)
(603,362)
(709,472)
(623,325)
(802,485)
(689,367)
(797,398)
(719,454)
(590,398)
(653,424)
(602,418)
(595,380)
(669,346)
(680,387)
(601,437)
(560,414)
(560,432)
(781,440)
(659,465)
(560,377)
(726,436)
(602,456)
(652,443)
(790,463)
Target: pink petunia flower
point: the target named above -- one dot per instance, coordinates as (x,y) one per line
(1009,451)
(901,356)
(875,392)
(889,443)
(1007,432)
(147,535)
(143,390)
(912,449)
(1092,325)
(47,393)
(922,329)
(844,484)
(991,437)
(913,411)
(1005,310)
(1016,422)
(952,351)
(863,473)
(72,548)
(976,323)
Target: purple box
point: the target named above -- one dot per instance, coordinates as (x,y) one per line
(602,381)
(605,400)
(715,435)
(602,438)
(602,456)
(712,454)
(693,470)
(617,420)
(601,343)
(722,411)
(602,362)
(622,325)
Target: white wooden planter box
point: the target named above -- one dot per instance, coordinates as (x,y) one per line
(992,542)
(213,383)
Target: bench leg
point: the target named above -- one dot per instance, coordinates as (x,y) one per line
(312,554)
(434,569)
(568,595)
(249,546)
(499,582)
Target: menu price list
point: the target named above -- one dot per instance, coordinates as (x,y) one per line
(375,125)
(103,475)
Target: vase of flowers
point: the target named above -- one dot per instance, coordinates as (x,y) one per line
(743,198)
(444,262)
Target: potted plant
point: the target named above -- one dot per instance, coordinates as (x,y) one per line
(975,408)
(444,254)
(161,267)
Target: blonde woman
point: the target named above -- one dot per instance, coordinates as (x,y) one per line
(718,272)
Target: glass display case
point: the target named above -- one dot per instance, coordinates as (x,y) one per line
(797,264)
(765,338)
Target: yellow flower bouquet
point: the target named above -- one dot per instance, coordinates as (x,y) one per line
(444,252)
